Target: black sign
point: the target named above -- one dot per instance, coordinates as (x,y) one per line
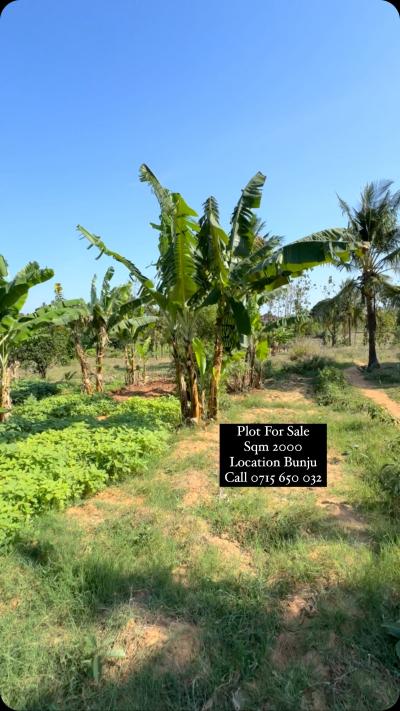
(273,455)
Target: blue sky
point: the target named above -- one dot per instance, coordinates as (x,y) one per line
(206,93)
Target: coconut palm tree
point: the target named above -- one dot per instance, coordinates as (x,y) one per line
(373,224)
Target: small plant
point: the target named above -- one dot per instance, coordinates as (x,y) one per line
(96,654)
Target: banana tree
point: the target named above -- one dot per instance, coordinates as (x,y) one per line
(200,264)
(76,316)
(14,326)
(108,308)
(126,334)
(236,265)
(176,284)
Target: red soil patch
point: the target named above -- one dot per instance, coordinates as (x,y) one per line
(156,388)
(171,645)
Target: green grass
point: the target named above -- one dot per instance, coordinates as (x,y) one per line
(74,587)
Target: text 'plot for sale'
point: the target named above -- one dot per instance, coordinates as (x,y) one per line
(273,455)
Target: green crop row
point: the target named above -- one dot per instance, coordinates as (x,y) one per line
(72,454)
(60,411)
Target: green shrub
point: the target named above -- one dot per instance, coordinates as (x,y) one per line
(38,389)
(308,365)
(234,372)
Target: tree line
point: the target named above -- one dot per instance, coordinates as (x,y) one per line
(206,276)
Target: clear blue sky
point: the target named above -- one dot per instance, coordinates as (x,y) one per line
(206,93)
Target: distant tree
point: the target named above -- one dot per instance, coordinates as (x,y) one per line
(373,224)
(48,345)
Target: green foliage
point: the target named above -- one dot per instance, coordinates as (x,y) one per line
(95,654)
(56,450)
(307,365)
(233,378)
(46,346)
(33,389)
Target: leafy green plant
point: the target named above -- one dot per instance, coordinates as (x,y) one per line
(97,653)
(57,450)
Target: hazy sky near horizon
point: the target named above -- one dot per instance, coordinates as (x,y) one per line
(206,93)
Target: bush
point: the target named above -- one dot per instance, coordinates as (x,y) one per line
(308,365)
(37,389)
(234,372)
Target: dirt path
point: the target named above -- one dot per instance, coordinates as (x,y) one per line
(356,379)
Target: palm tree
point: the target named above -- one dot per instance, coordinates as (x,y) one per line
(374,225)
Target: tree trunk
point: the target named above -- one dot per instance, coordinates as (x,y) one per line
(212,408)
(85,371)
(349,325)
(100,350)
(5,392)
(195,404)
(129,366)
(371,328)
(180,381)
(252,361)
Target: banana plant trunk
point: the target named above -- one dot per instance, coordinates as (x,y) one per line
(195,402)
(180,381)
(5,391)
(252,362)
(85,371)
(101,344)
(212,409)
(371,328)
(129,366)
